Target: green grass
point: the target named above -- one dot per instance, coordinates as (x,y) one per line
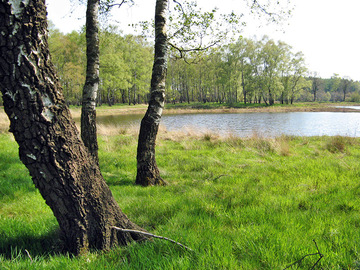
(238,203)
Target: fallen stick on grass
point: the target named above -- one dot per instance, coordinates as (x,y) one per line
(151,235)
(27,252)
(299,261)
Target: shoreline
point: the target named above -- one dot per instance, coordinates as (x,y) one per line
(260,109)
(141,109)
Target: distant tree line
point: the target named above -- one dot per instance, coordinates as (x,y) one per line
(252,71)
(125,65)
(334,89)
(249,71)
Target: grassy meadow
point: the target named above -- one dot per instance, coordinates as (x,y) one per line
(239,203)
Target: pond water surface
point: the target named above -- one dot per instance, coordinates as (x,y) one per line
(263,123)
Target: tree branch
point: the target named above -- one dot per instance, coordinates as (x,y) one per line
(314,254)
(186,18)
(277,16)
(198,49)
(151,235)
(107,6)
(181,7)
(256,3)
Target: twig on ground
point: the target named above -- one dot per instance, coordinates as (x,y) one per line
(299,261)
(151,235)
(27,252)
(216,178)
(320,255)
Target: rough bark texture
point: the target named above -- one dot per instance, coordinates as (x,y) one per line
(147,170)
(49,145)
(88,111)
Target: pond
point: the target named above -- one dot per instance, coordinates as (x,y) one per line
(262,123)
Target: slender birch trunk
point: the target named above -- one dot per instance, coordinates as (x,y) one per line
(88,112)
(147,170)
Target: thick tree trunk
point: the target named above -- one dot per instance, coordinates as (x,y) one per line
(147,170)
(49,145)
(88,112)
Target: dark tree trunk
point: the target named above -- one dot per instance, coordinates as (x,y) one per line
(346,84)
(99,98)
(315,87)
(243,86)
(123,98)
(129,96)
(271,99)
(88,112)
(282,98)
(49,145)
(187,94)
(147,170)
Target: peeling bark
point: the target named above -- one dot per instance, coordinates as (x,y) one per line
(67,177)
(147,171)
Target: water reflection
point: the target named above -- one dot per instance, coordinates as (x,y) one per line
(267,124)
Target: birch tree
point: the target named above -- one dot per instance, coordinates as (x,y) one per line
(147,169)
(61,168)
(91,86)
(192,27)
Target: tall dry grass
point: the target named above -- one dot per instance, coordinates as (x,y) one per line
(113,130)
(339,144)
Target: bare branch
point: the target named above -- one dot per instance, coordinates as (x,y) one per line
(27,252)
(262,8)
(314,254)
(106,6)
(182,9)
(184,14)
(183,52)
(321,255)
(200,48)
(151,235)
(277,15)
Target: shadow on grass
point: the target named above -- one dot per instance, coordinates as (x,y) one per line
(13,176)
(120,182)
(118,178)
(49,244)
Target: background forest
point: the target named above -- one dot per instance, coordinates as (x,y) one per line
(248,70)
